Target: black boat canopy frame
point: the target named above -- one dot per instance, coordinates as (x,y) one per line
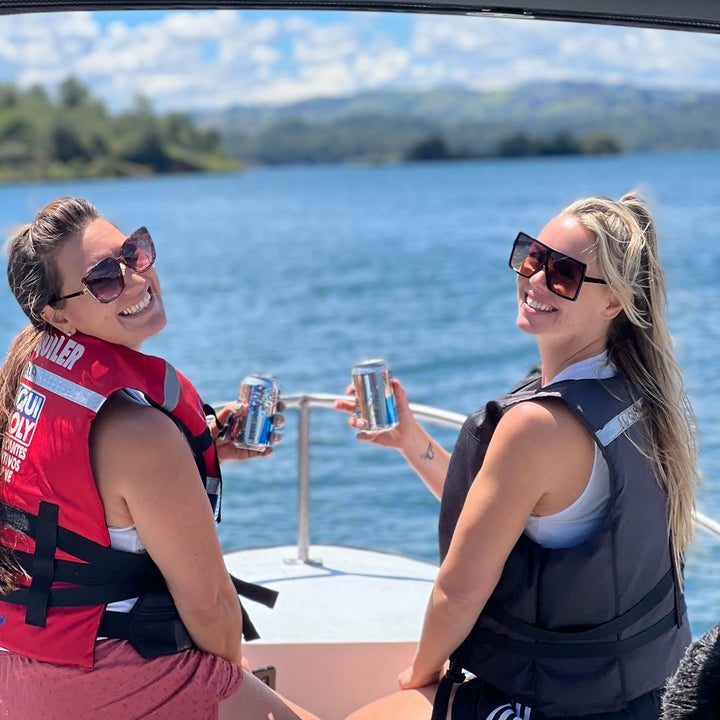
(695,15)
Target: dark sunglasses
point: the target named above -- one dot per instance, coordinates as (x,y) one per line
(105,280)
(564,275)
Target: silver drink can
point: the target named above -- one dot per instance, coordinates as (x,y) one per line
(251,422)
(375,399)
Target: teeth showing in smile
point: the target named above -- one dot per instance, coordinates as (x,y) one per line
(535,305)
(139,306)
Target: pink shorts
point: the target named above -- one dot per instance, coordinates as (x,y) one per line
(122,686)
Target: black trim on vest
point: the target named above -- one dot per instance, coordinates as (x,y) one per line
(198,444)
(106,576)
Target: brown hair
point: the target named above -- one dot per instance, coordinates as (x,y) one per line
(35,282)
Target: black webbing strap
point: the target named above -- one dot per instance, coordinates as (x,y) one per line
(257,593)
(605,630)
(205,439)
(107,575)
(86,596)
(577,650)
(68,541)
(77,573)
(197,445)
(124,626)
(249,631)
(678,576)
(38,594)
(209,411)
(452,677)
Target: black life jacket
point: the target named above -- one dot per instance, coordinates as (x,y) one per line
(584,629)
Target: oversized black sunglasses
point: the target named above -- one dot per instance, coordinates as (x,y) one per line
(105,280)
(564,275)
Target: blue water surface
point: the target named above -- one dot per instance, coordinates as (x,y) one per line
(299,272)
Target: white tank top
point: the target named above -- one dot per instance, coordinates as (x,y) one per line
(580,519)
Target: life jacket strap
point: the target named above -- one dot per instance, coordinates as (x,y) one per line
(598,632)
(199,444)
(38,594)
(611,648)
(72,543)
(154,627)
(105,576)
(452,677)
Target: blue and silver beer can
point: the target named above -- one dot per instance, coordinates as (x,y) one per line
(374,396)
(252,422)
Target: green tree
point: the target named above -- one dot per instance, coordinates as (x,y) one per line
(433,148)
(72,93)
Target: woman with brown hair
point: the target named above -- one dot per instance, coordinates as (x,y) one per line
(115,598)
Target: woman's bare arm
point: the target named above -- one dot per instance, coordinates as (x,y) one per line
(539,455)
(429,460)
(147,476)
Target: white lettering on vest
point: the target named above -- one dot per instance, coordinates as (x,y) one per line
(20,428)
(15,448)
(58,345)
(63,356)
(76,353)
(9,461)
(28,405)
(48,344)
(61,350)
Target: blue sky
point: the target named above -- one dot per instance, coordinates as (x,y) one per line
(192,60)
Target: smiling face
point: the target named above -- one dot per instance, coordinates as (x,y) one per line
(577,325)
(131,318)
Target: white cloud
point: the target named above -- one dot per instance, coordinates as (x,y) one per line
(502,50)
(211,59)
(324,44)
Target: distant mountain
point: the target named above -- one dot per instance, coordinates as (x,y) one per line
(388,126)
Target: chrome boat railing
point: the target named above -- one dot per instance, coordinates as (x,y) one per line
(303,402)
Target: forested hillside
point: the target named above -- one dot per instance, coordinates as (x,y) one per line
(532,119)
(73,135)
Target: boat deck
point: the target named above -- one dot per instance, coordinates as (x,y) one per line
(353,618)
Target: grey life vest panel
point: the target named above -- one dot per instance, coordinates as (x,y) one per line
(584,629)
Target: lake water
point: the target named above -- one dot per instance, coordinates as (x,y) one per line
(300,272)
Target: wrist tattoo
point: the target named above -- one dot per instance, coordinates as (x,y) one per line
(429,454)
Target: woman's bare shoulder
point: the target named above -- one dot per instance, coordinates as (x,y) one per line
(128,435)
(542,445)
(126,417)
(543,420)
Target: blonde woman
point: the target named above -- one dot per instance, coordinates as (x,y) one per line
(566,506)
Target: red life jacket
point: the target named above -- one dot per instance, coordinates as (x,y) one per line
(49,480)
